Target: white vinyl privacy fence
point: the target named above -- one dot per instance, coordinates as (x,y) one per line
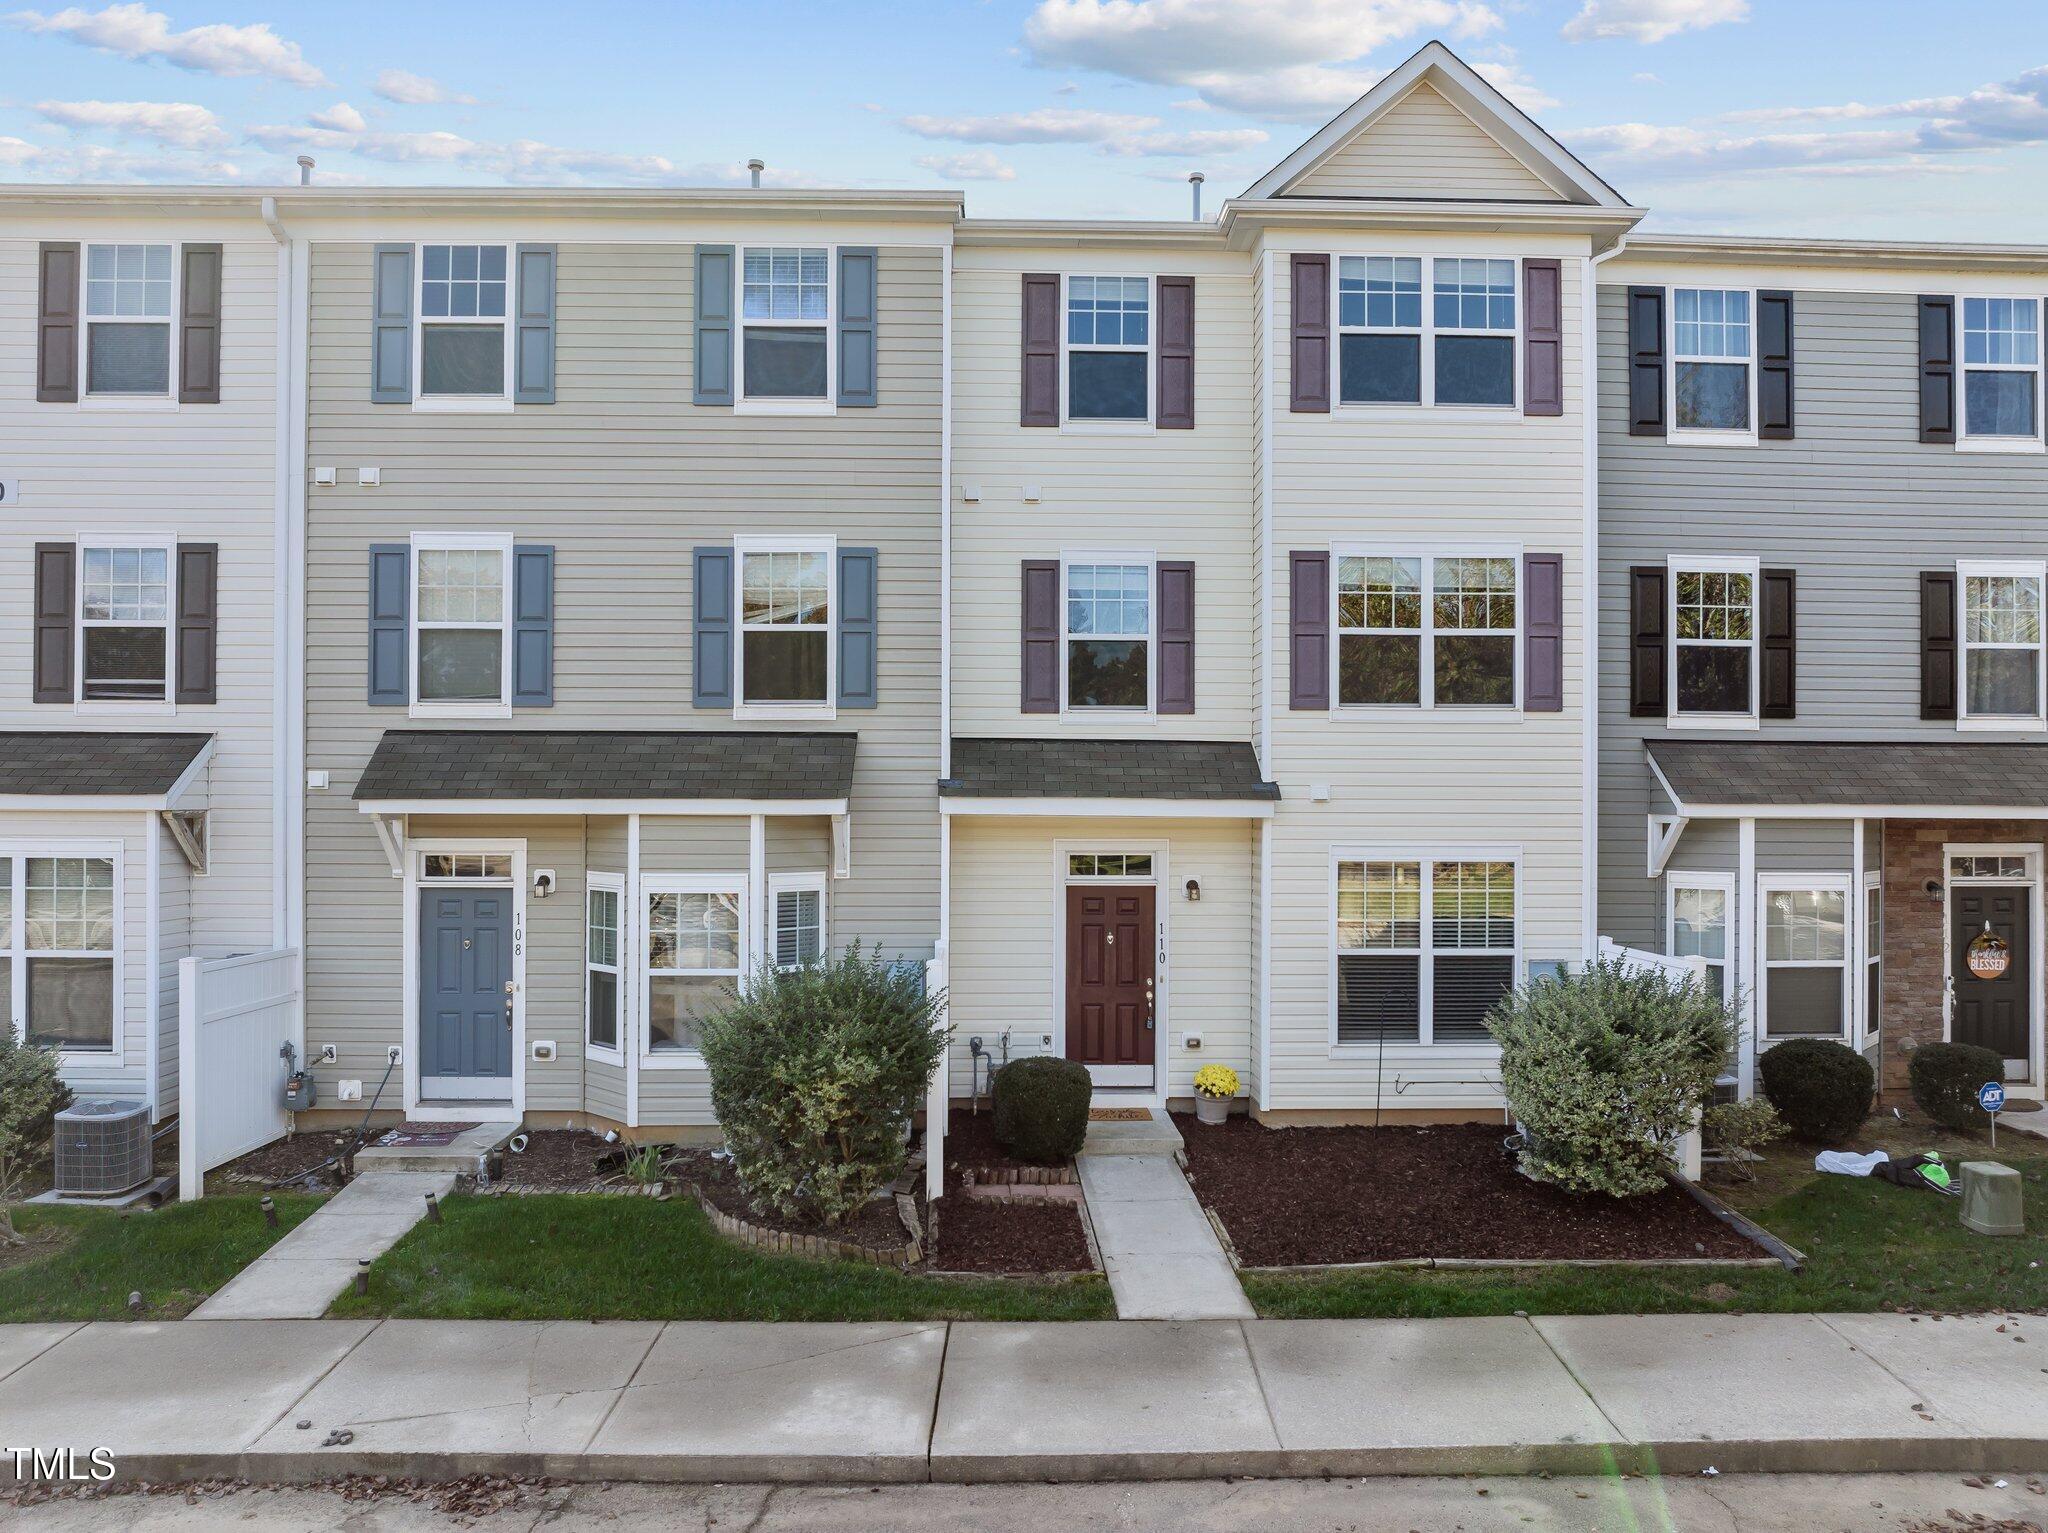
(235,1016)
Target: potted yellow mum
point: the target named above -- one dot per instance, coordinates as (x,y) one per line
(1215,1085)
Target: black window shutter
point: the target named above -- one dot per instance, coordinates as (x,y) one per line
(1543,633)
(1041,646)
(55,618)
(1308,629)
(1309,346)
(1647,642)
(1040,402)
(1646,361)
(1938,376)
(1774,367)
(1938,644)
(1175,410)
(1778,633)
(1175,581)
(58,303)
(198,621)
(199,326)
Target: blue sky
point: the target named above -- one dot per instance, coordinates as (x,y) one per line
(1845,117)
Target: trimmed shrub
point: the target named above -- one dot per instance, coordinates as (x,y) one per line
(1945,1078)
(1739,1130)
(1604,1069)
(31,1096)
(1041,1108)
(814,1073)
(1822,1089)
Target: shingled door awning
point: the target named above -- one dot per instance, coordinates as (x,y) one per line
(1181,778)
(99,769)
(1852,779)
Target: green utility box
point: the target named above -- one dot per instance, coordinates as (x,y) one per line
(1991,1199)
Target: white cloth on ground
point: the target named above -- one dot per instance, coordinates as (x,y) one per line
(1848,1162)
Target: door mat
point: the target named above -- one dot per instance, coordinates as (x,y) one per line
(1119,1114)
(424,1134)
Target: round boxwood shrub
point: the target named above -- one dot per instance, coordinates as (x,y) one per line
(1821,1089)
(1041,1108)
(1945,1078)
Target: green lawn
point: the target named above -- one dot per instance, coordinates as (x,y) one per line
(84,1262)
(568,1256)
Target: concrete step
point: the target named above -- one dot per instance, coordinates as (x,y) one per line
(459,1157)
(1152,1135)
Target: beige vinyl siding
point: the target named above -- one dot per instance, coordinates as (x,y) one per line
(1423,146)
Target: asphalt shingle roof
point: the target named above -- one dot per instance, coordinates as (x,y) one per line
(607,764)
(1844,774)
(104,763)
(1164,769)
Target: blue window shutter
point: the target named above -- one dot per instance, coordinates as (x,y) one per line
(857,326)
(533,626)
(714,326)
(533,340)
(711,632)
(390,606)
(391,326)
(857,659)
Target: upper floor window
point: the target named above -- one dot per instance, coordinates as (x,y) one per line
(1712,353)
(462,330)
(1109,345)
(2002,669)
(1421,632)
(128,319)
(459,638)
(1475,325)
(1456,349)
(1379,320)
(1714,640)
(124,623)
(786,638)
(786,322)
(2001,368)
(1108,637)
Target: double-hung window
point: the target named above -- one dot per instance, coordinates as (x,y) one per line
(796,903)
(1379,325)
(2002,669)
(1873,957)
(462,334)
(1454,346)
(130,309)
(1403,977)
(1713,360)
(602,902)
(1109,349)
(786,324)
(57,967)
(1108,639)
(2001,370)
(1697,912)
(1423,631)
(1714,640)
(696,947)
(460,626)
(124,607)
(786,648)
(1806,958)
(1475,331)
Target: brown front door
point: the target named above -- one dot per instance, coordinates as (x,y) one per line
(1111,938)
(1989,948)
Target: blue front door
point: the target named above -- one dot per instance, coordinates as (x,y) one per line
(465,1009)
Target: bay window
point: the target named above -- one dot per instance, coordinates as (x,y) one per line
(785,351)
(1712,355)
(696,946)
(462,328)
(1423,631)
(129,319)
(1108,637)
(1109,349)
(2001,638)
(786,647)
(1402,977)
(1804,979)
(2001,369)
(1714,640)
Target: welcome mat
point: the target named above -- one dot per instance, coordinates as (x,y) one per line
(424,1134)
(1118,1114)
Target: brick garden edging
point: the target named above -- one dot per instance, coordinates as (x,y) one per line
(1020,1176)
(816,1247)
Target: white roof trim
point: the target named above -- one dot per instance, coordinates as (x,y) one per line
(1113,808)
(1507,124)
(1861,811)
(617,806)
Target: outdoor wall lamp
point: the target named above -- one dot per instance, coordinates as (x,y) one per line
(1194,891)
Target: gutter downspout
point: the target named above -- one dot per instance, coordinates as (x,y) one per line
(1589,306)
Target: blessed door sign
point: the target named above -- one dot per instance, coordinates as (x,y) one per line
(1988,955)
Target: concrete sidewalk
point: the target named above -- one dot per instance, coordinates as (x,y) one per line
(297,1400)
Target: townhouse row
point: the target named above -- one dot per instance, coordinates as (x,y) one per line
(1264,639)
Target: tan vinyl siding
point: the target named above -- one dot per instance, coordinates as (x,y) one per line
(1423,146)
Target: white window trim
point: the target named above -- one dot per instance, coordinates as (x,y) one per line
(1491,712)
(1429,333)
(1723,884)
(1965,442)
(615,885)
(441,542)
(1768,884)
(2019,569)
(16,936)
(1427,857)
(2033,851)
(652,884)
(461,404)
(1873,957)
(1126,557)
(1709,565)
(780,884)
(741,404)
(826,544)
(1707,436)
(168,399)
(149,706)
(1087,424)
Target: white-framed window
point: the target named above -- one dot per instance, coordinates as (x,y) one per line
(2001,371)
(796,911)
(126,590)
(1873,957)
(1423,946)
(461,343)
(461,624)
(1107,372)
(1803,981)
(603,904)
(785,356)
(788,653)
(1116,867)
(1107,638)
(59,919)
(696,943)
(457,867)
(1426,630)
(129,334)
(1457,344)
(1699,913)
(1713,361)
(2002,671)
(1714,641)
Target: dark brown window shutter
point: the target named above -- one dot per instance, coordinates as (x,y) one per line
(1176,410)
(1774,367)
(56,618)
(1041,688)
(198,621)
(1646,642)
(1938,644)
(1308,622)
(199,327)
(1310,353)
(1778,638)
(1646,361)
(57,307)
(1041,321)
(1938,381)
(1543,633)
(1543,337)
(1176,582)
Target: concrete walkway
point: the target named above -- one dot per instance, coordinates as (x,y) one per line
(1158,1248)
(977,1402)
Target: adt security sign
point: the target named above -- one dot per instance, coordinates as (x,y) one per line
(1991,1097)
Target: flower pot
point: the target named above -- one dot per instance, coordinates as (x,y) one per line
(1211,1109)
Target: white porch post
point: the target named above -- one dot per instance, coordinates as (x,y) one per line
(1748,944)
(1859,1022)
(757,892)
(938,974)
(632,970)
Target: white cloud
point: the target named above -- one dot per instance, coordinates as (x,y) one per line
(1116,133)
(180,124)
(409,89)
(26,161)
(1644,77)
(1505,76)
(1650,21)
(974,165)
(341,117)
(136,32)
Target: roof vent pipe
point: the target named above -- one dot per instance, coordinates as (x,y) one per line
(305,170)
(1196,181)
(754,169)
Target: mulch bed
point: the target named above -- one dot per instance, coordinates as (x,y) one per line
(556,1160)
(988,1235)
(971,1141)
(1310,1196)
(281,1160)
(877,1223)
